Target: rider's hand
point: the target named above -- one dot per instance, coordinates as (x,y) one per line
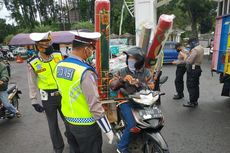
(38,108)
(128,78)
(1,82)
(151,85)
(110,135)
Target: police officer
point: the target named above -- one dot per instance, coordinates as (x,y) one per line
(193,61)
(40,76)
(180,71)
(80,100)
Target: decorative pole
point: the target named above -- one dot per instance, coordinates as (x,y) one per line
(102,25)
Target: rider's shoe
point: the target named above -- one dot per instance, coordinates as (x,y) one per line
(18,114)
(123,150)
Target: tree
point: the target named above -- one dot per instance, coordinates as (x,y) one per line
(198,12)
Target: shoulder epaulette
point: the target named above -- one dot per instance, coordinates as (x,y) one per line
(56,51)
(32,58)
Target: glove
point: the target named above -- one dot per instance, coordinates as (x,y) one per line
(106,128)
(110,135)
(38,108)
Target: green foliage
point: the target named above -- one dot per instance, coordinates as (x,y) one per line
(194,13)
(83,25)
(115,18)
(8,38)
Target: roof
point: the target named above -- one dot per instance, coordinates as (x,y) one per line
(59,37)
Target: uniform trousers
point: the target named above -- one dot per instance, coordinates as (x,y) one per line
(89,137)
(52,106)
(179,81)
(193,81)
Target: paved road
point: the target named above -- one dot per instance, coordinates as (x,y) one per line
(201,130)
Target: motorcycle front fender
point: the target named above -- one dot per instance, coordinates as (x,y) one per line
(159,139)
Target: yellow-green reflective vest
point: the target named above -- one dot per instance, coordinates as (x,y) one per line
(44,71)
(68,75)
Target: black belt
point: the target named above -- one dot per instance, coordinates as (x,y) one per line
(52,92)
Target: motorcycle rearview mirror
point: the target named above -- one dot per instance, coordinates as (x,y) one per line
(163,79)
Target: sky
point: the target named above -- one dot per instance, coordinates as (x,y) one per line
(4,14)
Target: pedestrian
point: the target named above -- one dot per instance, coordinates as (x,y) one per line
(4,78)
(180,71)
(225,79)
(130,80)
(193,64)
(81,106)
(40,76)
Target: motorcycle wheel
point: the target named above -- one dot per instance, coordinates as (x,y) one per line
(152,146)
(15,102)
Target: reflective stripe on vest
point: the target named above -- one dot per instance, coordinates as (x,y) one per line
(44,71)
(75,107)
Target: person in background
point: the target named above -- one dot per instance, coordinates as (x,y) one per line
(180,71)
(4,78)
(193,64)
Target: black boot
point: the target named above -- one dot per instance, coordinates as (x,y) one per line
(178,96)
(189,104)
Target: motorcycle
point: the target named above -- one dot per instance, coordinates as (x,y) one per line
(146,136)
(13,96)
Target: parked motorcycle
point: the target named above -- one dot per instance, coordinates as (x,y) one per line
(13,97)
(146,137)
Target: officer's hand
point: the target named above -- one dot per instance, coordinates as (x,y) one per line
(174,62)
(110,135)
(38,108)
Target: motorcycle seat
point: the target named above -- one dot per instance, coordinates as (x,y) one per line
(11,87)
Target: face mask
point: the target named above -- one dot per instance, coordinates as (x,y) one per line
(88,54)
(49,50)
(131,65)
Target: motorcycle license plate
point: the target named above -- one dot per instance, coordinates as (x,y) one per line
(150,113)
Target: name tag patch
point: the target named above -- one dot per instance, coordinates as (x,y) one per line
(65,73)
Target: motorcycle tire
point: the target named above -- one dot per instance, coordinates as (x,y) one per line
(15,102)
(151,146)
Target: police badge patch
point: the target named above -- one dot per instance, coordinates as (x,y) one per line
(39,66)
(65,72)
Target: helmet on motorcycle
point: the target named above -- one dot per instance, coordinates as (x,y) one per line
(137,54)
(193,42)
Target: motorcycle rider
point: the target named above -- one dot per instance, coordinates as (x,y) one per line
(180,71)
(4,78)
(129,80)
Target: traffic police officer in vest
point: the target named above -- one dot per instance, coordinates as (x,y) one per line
(77,84)
(193,61)
(40,76)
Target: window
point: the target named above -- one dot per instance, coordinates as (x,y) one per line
(225,6)
(220,8)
